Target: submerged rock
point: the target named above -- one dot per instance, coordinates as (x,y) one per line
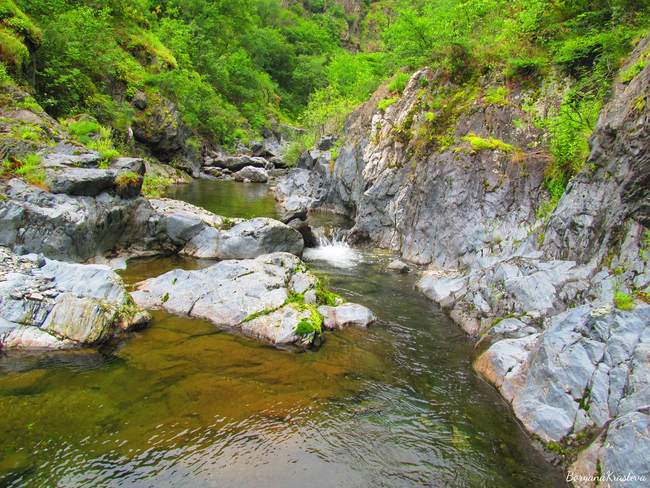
(399,266)
(256,296)
(51,304)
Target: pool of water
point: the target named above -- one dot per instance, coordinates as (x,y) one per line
(184,403)
(243,200)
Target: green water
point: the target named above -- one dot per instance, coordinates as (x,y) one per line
(183,403)
(243,200)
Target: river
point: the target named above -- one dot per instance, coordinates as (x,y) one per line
(184,403)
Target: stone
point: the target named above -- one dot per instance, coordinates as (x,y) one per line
(306,232)
(81,305)
(345,315)
(251,173)
(326,142)
(249,294)
(82,320)
(258,236)
(236,163)
(72,228)
(626,447)
(399,266)
(295,207)
(439,290)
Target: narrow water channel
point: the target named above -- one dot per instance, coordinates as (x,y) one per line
(184,403)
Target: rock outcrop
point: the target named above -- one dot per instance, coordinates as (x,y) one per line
(452,178)
(51,304)
(261,297)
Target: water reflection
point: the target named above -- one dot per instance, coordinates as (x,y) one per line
(184,403)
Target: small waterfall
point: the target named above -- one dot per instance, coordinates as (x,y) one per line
(332,248)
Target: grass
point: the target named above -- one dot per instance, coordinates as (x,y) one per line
(82,130)
(385,103)
(479,144)
(127,179)
(28,167)
(623,301)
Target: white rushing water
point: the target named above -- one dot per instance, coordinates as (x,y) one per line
(332,249)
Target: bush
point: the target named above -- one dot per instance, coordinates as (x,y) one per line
(398,83)
(623,301)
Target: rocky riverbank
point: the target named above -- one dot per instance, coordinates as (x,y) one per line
(445,176)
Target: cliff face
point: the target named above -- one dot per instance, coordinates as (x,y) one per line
(443,174)
(605,205)
(452,177)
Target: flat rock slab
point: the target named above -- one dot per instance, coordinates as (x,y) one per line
(256,296)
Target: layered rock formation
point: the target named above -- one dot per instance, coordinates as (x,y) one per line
(452,177)
(51,304)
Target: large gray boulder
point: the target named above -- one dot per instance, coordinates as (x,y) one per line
(251,173)
(253,295)
(52,304)
(72,228)
(246,240)
(124,176)
(235,163)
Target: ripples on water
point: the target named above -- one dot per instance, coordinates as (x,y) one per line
(184,403)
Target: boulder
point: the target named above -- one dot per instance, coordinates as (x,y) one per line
(72,228)
(295,207)
(306,232)
(326,142)
(235,163)
(246,240)
(345,315)
(399,266)
(50,304)
(252,173)
(232,293)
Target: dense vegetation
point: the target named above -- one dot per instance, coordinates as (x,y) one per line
(231,65)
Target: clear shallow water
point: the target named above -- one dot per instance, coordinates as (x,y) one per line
(183,403)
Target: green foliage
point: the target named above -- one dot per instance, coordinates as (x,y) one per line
(496,96)
(298,146)
(623,301)
(83,128)
(633,70)
(480,144)
(398,83)
(27,167)
(383,104)
(154,185)
(304,327)
(127,179)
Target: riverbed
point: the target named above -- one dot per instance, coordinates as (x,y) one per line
(184,403)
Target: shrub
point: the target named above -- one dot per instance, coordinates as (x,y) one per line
(623,301)
(127,179)
(385,103)
(398,83)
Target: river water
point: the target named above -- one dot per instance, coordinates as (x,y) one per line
(186,404)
